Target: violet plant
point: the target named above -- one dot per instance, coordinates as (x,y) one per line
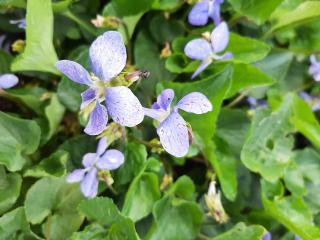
(204,10)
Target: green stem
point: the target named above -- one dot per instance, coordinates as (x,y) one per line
(129,45)
(80,22)
(239,98)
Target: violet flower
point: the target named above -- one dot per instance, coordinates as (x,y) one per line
(206,51)
(267,236)
(21,23)
(92,162)
(313,101)
(172,129)
(107,57)
(256,103)
(314,69)
(203,10)
(8,80)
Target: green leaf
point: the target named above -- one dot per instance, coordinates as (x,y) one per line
(39,53)
(135,158)
(18,137)
(5,59)
(267,149)
(10,185)
(167,5)
(127,7)
(258,11)
(305,121)
(247,50)
(93,232)
(100,209)
(243,232)
(183,188)
(246,75)
(54,165)
(305,12)
(56,201)
(291,211)
(13,222)
(141,196)
(123,229)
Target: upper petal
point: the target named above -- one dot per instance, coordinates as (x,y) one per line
(76,175)
(173,134)
(87,97)
(8,80)
(198,49)
(123,106)
(199,14)
(111,160)
(215,13)
(108,55)
(89,159)
(220,37)
(165,98)
(97,121)
(195,102)
(102,145)
(89,184)
(74,71)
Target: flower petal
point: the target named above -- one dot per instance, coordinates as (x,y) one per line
(76,175)
(102,145)
(220,37)
(111,160)
(97,121)
(87,97)
(173,134)
(195,102)
(154,113)
(8,80)
(89,184)
(89,159)
(165,98)
(199,13)
(108,55)
(198,49)
(204,64)
(123,106)
(215,12)
(74,71)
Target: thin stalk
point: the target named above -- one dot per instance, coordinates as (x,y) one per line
(238,99)
(129,45)
(79,21)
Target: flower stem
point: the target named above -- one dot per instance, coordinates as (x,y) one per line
(79,21)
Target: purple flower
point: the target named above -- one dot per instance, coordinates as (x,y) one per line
(20,22)
(172,129)
(108,58)
(296,237)
(267,236)
(203,10)
(92,162)
(8,80)
(314,68)
(313,101)
(206,51)
(256,103)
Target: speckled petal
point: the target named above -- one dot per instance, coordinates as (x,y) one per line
(87,97)
(97,121)
(195,102)
(198,49)
(123,106)
(199,13)
(74,71)
(76,175)
(108,55)
(173,134)
(220,37)
(165,98)
(8,80)
(111,160)
(89,184)
(89,159)
(102,145)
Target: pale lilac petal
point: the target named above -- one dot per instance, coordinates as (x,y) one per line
(165,98)
(225,56)
(154,113)
(195,102)
(296,237)
(111,160)
(20,22)
(8,80)
(74,71)
(76,175)
(199,13)
(173,134)
(89,184)
(267,236)
(315,106)
(220,37)
(89,159)
(123,106)
(87,97)
(204,64)
(215,13)
(108,55)
(313,59)
(305,96)
(102,145)
(198,49)
(97,121)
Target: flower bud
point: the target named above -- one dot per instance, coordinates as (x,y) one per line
(18,46)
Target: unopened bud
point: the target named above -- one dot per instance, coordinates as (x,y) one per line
(106,22)
(18,46)
(166,51)
(113,132)
(167,179)
(206,35)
